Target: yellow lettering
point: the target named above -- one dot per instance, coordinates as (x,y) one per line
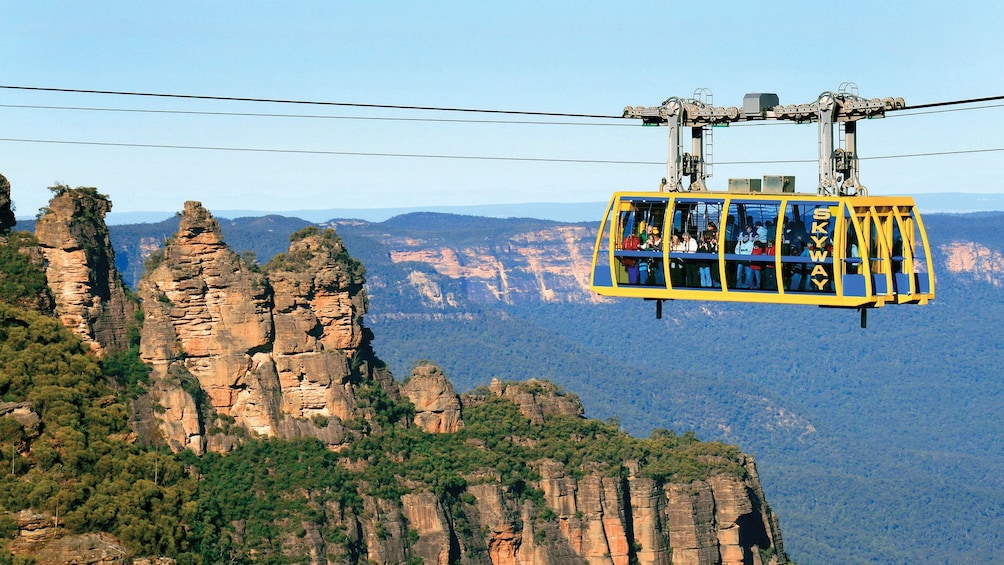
(818,255)
(820,227)
(818,270)
(820,240)
(820,283)
(821,214)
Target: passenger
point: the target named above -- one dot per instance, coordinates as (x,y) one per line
(743,275)
(853,266)
(716,277)
(654,241)
(772,231)
(711,231)
(654,266)
(706,245)
(756,266)
(787,236)
(675,264)
(769,271)
(689,244)
(761,232)
(806,283)
(690,276)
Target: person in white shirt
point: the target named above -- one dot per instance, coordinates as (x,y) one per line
(743,272)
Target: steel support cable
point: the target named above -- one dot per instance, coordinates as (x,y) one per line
(465,157)
(309,116)
(306,102)
(402,106)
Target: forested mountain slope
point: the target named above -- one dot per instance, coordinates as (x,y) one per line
(243,417)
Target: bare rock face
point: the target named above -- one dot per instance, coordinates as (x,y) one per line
(270,351)
(89,293)
(437,406)
(7,220)
(548,265)
(538,399)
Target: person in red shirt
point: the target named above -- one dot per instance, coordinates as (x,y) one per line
(756,266)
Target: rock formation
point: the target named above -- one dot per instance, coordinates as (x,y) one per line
(437,407)
(7,220)
(272,350)
(538,399)
(89,294)
(548,264)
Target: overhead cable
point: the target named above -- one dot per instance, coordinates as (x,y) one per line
(313,116)
(464,157)
(406,107)
(307,102)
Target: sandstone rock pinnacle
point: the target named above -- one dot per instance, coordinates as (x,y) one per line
(7,220)
(437,406)
(272,349)
(89,293)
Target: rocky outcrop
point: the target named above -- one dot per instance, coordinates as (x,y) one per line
(40,537)
(437,406)
(7,220)
(89,294)
(974,261)
(538,399)
(269,351)
(549,265)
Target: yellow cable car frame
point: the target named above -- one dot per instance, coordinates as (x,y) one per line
(860,252)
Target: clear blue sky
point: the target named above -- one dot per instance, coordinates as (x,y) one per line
(575,57)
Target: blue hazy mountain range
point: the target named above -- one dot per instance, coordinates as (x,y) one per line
(936,202)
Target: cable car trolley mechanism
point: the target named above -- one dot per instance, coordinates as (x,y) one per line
(759,240)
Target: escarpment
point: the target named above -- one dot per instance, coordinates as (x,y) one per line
(511,473)
(236,348)
(90,297)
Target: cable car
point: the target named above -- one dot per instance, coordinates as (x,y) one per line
(759,241)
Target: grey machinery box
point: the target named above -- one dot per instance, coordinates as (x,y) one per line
(744,185)
(758,103)
(778,184)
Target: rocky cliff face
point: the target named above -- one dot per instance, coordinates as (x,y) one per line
(974,261)
(550,265)
(89,294)
(7,220)
(270,352)
(437,406)
(597,518)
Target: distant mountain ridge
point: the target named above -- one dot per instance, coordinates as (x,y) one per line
(935,202)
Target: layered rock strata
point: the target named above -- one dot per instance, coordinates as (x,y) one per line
(437,406)
(595,519)
(90,297)
(268,351)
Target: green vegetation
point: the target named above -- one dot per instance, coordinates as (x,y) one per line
(80,464)
(22,281)
(329,243)
(79,460)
